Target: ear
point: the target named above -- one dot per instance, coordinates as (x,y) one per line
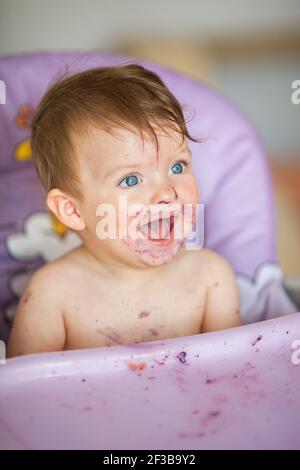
(65,208)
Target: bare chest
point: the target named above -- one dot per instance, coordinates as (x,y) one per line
(118,314)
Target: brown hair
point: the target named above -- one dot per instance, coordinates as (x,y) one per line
(127,96)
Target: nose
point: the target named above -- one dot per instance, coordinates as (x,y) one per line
(164,194)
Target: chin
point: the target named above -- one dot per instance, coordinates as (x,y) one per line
(154,254)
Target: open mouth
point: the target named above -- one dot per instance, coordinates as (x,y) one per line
(160,231)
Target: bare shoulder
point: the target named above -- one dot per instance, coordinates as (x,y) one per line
(209,266)
(223,302)
(216,266)
(58,271)
(39,324)
(50,278)
(222,296)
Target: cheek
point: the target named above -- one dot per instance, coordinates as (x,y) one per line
(88,212)
(91,209)
(190,190)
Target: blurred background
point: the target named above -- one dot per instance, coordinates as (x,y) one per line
(248,50)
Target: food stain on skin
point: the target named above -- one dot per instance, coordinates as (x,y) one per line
(256,340)
(153,331)
(111,334)
(150,254)
(135,367)
(144,314)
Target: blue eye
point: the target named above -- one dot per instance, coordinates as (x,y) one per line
(177,168)
(129,181)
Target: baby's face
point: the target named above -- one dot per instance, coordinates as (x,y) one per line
(119,171)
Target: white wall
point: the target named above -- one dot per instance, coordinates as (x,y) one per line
(62,24)
(261,89)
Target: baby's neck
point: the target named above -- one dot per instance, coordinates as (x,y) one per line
(122,270)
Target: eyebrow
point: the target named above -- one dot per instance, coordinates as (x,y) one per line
(137,165)
(123,168)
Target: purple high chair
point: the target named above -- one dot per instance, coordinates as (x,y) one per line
(232,389)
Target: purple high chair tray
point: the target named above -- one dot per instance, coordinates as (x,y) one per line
(233,389)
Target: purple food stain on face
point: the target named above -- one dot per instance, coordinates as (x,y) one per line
(182,357)
(256,340)
(144,314)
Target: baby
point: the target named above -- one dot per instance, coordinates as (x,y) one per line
(110,147)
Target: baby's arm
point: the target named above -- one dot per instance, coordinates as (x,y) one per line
(222,303)
(39,324)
